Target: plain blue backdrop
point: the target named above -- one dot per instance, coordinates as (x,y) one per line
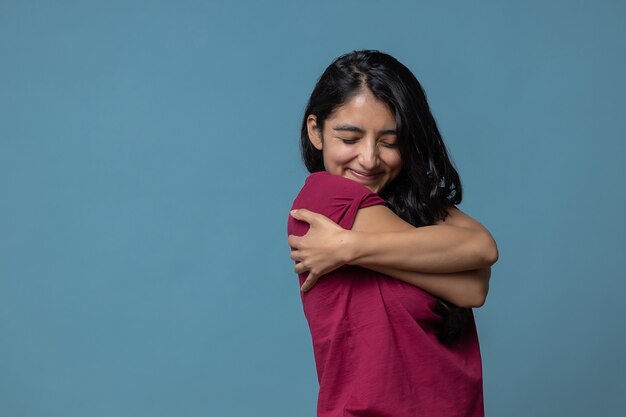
(149,157)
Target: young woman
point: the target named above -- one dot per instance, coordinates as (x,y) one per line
(389,267)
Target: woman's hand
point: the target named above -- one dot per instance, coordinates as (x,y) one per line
(321,250)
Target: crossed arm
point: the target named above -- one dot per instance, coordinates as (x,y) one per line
(451,259)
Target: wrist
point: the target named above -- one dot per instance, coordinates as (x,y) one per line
(351,247)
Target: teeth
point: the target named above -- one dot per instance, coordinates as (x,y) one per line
(363,175)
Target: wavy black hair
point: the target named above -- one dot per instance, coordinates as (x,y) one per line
(428,183)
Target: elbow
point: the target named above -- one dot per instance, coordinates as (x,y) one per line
(475,295)
(489,250)
(479,299)
(475,300)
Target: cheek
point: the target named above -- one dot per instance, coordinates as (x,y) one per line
(338,155)
(393,160)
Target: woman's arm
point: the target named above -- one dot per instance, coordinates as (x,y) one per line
(327,246)
(379,238)
(464,289)
(385,243)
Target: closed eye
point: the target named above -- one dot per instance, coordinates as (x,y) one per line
(390,145)
(353,141)
(349,141)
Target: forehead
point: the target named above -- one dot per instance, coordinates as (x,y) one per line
(364,110)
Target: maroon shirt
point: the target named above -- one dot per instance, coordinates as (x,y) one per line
(374,337)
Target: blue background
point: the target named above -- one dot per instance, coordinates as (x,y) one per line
(149,157)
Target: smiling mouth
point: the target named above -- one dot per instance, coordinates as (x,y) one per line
(364,177)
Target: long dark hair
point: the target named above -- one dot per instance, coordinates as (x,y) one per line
(428,183)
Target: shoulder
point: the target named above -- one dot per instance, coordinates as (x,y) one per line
(336,197)
(324,177)
(458,218)
(329,188)
(326,184)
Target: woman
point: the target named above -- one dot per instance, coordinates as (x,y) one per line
(389,267)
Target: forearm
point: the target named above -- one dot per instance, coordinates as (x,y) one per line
(464,289)
(427,249)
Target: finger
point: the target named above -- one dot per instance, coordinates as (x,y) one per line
(303,214)
(309,282)
(293,240)
(300,268)
(295,255)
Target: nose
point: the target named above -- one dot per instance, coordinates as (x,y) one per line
(368,155)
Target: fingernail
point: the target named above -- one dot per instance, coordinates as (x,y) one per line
(292,211)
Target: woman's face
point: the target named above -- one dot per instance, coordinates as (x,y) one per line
(359,141)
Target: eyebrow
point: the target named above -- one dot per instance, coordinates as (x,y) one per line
(352,128)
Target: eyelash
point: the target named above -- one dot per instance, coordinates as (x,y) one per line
(353,141)
(349,141)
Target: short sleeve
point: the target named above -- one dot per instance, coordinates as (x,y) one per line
(336,197)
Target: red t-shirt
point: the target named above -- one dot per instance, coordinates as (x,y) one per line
(374,337)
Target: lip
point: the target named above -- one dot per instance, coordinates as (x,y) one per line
(363,177)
